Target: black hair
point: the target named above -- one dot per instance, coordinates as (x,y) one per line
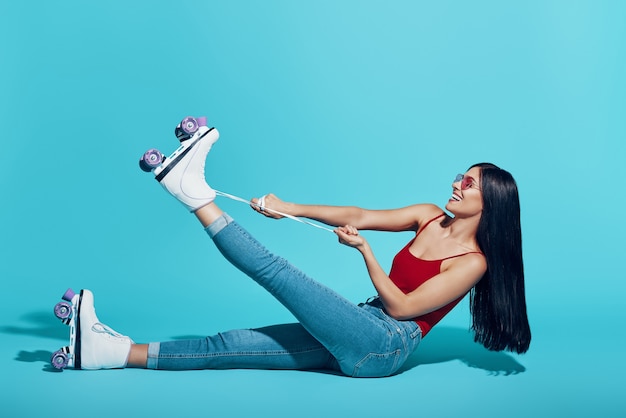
(498,301)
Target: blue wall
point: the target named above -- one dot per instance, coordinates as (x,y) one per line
(372,103)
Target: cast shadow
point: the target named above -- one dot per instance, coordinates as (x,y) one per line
(43,324)
(40,324)
(444,344)
(38,356)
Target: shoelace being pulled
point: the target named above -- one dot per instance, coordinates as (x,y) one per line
(263,208)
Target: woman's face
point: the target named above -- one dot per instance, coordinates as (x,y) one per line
(467,198)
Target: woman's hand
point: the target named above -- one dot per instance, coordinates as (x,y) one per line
(349,235)
(269,201)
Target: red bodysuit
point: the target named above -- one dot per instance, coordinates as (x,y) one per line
(409,272)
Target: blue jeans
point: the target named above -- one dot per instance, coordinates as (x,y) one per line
(331,334)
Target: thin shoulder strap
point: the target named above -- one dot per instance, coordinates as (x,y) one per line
(428,223)
(461,255)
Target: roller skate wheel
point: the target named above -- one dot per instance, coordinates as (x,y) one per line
(68,295)
(150,160)
(62,310)
(201,120)
(59,360)
(189,125)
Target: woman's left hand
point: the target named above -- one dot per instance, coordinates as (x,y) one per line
(349,235)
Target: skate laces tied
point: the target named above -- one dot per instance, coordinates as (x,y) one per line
(100,328)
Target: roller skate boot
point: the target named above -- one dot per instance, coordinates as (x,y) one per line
(93,345)
(182,173)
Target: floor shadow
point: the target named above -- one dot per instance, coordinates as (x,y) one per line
(444,344)
(42,324)
(38,356)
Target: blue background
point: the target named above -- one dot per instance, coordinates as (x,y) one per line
(371,103)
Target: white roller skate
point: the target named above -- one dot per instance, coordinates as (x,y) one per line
(182,173)
(93,345)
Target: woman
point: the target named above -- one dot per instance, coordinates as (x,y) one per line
(477,250)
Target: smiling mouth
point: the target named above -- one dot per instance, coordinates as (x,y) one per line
(456,198)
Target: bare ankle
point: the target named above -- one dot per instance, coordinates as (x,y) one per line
(138,356)
(208,214)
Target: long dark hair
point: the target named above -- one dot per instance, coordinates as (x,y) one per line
(497,301)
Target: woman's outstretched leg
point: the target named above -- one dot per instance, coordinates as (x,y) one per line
(364,340)
(277,347)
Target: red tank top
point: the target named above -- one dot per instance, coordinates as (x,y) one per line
(409,272)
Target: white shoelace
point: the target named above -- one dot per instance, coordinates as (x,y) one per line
(261,206)
(101,328)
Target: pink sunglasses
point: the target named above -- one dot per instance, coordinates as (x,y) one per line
(467,182)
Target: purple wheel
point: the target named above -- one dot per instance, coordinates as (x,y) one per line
(63,310)
(150,160)
(202,121)
(59,360)
(189,125)
(68,295)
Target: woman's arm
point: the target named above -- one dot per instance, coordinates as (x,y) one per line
(403,219)
(452,283)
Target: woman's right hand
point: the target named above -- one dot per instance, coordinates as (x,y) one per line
(349,235)
(272,202)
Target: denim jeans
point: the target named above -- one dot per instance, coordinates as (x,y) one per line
(331,334)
